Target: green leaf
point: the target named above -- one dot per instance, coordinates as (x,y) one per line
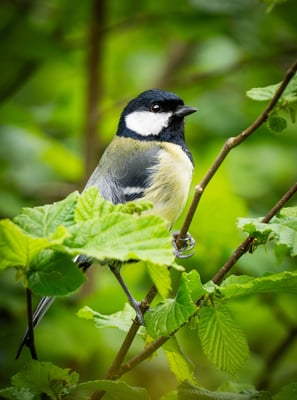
(44,221)
(122,237)
(262,93)
(91,205)
(178,363)
(222,340)
(160,275)
(18,249)
(282,229)
(41,379)
(53,274)
(276,123)
(288,392)
(115,390)
(188,391)
(266,93)
(282,282)
(170,315)
(121,319)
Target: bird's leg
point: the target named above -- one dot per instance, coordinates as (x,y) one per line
(183,246)
(134,303)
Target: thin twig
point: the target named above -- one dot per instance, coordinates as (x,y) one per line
(31,342)
(130,336)
(245,245)
(112,373)
(230,144)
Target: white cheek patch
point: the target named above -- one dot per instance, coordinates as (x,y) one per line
(147,123)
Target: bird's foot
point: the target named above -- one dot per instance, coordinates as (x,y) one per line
(139,314)
(183,246)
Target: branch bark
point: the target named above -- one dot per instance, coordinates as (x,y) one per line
(94,86)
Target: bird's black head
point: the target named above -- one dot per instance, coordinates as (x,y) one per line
(155,115)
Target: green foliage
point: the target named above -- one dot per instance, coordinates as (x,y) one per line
(170,315)
(114,390)
(221,338)
(287,103)
(120,320)
(39,379)
(18,249)
(237,286)
(43,239)
(178,362)
(187,391)
(282,229)
(53,273)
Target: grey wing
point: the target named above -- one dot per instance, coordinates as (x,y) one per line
(123,176)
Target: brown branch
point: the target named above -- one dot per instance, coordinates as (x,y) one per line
(94,85)
(130,335)
(230,144)
(112,373)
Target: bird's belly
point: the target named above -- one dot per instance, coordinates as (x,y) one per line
(170,185)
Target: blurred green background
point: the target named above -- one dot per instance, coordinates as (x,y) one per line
(67,70)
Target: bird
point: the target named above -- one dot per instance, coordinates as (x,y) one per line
(147,159)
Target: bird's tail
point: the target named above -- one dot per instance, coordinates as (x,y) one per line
(41,309)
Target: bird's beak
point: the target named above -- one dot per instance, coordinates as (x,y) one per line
(182,111)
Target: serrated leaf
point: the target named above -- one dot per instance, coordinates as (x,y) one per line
(122,237)
(160,275)
(221,338)
(282,282)
(44,221)
(134,207)
(39,379)
(54,274)
(18,249)
(283,229)
(120,320)
(115,390)
(188,391)
(178,363)
(170,315)
(91,205)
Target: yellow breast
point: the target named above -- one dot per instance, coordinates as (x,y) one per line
(171,182)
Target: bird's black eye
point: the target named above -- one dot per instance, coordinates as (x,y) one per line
(155,107)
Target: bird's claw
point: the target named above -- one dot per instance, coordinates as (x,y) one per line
(183,246)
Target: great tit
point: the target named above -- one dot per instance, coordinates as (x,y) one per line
(148,158)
